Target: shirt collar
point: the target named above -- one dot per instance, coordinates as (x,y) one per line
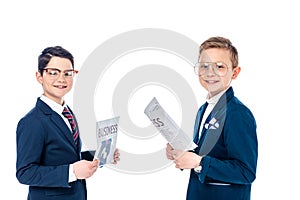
(53,105)
(215,99)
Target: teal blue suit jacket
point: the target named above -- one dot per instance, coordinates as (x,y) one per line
(45,149)
(229,163)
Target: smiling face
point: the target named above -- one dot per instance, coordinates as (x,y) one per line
(213,83)
(56,88)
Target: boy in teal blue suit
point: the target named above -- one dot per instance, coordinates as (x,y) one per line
(223,166)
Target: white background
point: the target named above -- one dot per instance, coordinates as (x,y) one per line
(266,34)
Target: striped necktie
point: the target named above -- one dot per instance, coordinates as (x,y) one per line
(67,113)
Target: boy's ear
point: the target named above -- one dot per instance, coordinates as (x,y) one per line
(236,72)
(39,77)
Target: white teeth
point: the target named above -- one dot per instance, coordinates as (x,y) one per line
(211,81)
(60,86)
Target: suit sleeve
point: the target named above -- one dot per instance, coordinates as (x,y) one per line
(88,155)
(30,150)
(240,140)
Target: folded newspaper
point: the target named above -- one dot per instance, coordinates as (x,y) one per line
(168,128)
(106,132)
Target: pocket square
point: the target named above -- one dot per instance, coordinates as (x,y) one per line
(212,124)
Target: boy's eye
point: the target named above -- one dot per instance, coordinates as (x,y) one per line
(69,73)
(53,72)
(204,66)
(220,65)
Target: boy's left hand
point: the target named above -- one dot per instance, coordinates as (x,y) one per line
(116,156)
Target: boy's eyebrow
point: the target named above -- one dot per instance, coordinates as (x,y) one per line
(59,69)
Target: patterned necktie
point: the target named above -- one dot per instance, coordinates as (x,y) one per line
(67,113)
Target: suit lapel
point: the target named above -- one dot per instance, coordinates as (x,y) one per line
(212,130)
(57,121)
(213,126)
(198,122)
(65,131)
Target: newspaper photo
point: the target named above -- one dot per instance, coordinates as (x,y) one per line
(168,128)
(106,133)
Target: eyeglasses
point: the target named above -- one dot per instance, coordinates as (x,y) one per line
(219,68)
(55,73)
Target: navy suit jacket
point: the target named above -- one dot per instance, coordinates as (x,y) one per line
(45,149)
(229,165)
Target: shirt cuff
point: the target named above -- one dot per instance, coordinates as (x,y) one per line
(72,176)
(205,162)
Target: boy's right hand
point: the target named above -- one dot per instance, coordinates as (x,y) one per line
(84,169)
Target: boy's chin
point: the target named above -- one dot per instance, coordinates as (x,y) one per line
(212,92)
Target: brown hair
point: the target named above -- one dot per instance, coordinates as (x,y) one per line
(222,43)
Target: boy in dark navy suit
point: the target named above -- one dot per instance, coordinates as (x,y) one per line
(223,166)
(49,157)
